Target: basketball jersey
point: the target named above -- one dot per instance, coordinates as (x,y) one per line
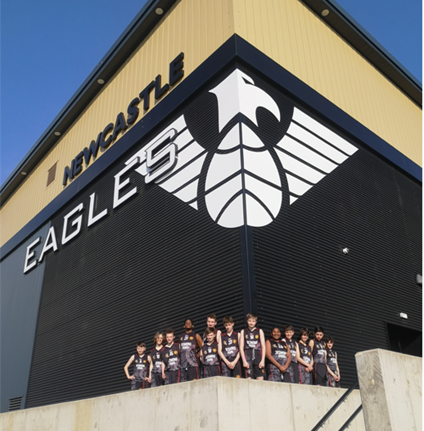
(156,357)
(230,346)
(279,351)
(171,357)
(188,349)
(252,346)
(305,352)
(292,346)
(332,361)
(140,367)
(210,354)
(318,352)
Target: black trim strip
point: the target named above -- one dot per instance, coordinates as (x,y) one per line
(235,51)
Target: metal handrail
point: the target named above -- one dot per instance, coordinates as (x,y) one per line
(353,416)
(334,408)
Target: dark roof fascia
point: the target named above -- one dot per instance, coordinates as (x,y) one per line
(354,34)
(130,38)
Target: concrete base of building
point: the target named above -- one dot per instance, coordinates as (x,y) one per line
(391,390)
(217,403)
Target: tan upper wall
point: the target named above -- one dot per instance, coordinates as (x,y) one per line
(286,31)
(194,27)
(289,33)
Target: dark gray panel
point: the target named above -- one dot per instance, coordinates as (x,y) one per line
(20,299)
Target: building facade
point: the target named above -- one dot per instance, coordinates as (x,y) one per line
(220,160)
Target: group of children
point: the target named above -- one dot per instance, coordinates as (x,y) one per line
(227,353)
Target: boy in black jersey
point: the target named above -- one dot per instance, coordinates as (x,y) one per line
(155,372)
(320,358)
(228,349)
(189,340)
(139,378)
(209,355)
(332,364)
(252,349)
(292,374)
(171,359)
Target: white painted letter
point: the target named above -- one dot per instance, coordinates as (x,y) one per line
(118,185)
(53,244)
(76,222)
(30,255)
(91,217)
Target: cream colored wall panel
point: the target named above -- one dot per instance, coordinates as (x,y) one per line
(294,37)
(194,27)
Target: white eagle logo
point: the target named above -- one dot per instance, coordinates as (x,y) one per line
(243,184)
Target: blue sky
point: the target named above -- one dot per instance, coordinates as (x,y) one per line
(49,47)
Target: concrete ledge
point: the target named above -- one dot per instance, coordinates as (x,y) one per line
(391,390)
(212,404)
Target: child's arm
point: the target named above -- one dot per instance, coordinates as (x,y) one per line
(149,360)
(201,356)
(289,358)
(262,339)
(243,357)
(221,355)
(126,368)
(218,336)
(163,370)
(199,342)
(338,370)
(150,369)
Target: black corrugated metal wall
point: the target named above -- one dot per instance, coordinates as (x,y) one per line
(155,261)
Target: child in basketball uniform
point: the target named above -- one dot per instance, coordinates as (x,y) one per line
(278,355)
(252,349)
(304,358)
(139,378)
(332,364)
(293,369)
(171,359)
(319,355)
(189,341)
(155,372)
(228,349)
(209,355)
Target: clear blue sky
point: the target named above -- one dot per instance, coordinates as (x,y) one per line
(49,47)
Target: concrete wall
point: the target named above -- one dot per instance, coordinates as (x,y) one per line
(212,404)
(391,390)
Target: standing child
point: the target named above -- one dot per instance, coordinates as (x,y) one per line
(293,369)
(209,355)
(252,348)
(171,359)
(139,378)
(189,340)
(332,364)
(155,374)
(304,358)
(228,349)
(319,355)
(278,355)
